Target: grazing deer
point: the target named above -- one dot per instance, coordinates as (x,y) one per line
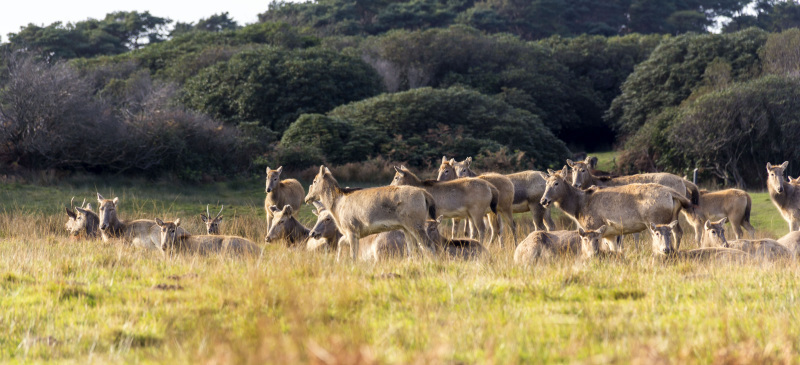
(632,206)
(281,193)
(139,233)
(785,196)
(82,220)
(465,249)
(548,245)
(359,213)
(467,197)
(714,236)
(734,204)
(212,224)
(583,178)
(528,189)
(450,170)
(286,227)
(174,238)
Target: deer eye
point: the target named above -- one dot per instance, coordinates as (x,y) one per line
(556,184)
(582,170)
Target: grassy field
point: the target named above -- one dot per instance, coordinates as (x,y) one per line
(89,302)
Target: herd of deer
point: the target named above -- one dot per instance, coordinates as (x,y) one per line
(392,221)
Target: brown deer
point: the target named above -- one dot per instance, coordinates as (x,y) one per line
(82,220)
(528,189)
(785,196)
(173,238)
(139,233)
(632,206)
(714,236)
(286,227)
(359,213)
(466,197)
(463,249)
(548,245)
(281,193)
(583,178)
(734,204)
(212,224)
(450,170)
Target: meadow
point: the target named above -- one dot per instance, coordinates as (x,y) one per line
(77,301)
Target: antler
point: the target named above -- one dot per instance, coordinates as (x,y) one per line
(220,211)
(72,204)
(83,205)
(207,213)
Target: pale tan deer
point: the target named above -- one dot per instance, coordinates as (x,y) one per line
(359,213)
(785,196)
(463,249)
(548,245)
(734,204)
(287,228)
(528,189)
(461,198)
(663,246)
(142,233)
(375,247)
(714,236)
(791,241)
(212,224)
(450,170)
(82,220)
(632,206)
(281,193)
(173,238)
(583,178)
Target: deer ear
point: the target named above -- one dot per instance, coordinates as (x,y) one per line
(279,170)
(468,160)
(550,172)
(287,209)
(204,218)
(219,219)
(116,200)
(444,159)
(564,171)
(784,165)
(570,163)
(722,221)
(81,210)
(708,224)
(673,224)
(159,222)
(652,227)
(397,168)
(328,171)
(88,206)
(69,212)
(602,229)
(321,169)
(581,232)
(274,208)
(267,169)
(452,161)
(439,219)
(177,222)
(591,161)
(100,198)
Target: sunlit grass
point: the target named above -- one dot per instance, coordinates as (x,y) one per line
(87,301)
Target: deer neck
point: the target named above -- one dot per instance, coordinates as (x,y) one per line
(298,233)
(573,202)
(781,198)
(470,173)
(331,196)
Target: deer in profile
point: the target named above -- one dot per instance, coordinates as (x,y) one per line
(212,224)
(359,213)
(528,189)
(714,236)
(281,193)
(631,206)
(375,247)
(142,233)
(82,220)
(464,249)
(461,198)
(173,238)
(734,204)
(450,170)
(541,245)
(583,178)
(663,246)
(785,196)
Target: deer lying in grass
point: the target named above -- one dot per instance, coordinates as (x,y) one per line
(359,213)
(468,197)
(791,241)
(82,220)
(785,196)
(714,236)
(548,245)
(139,233)
(583,178)
(212,224)
(662,246)
(632,206)
(287,228)
(734,204)
(173,238)
(464,249)
(528,189)
(450,170)
(281,193)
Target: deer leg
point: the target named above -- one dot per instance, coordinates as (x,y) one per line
(737,230)
(353,246)
(677,232)
(548,220)
(269,223)
(508,224)
(494,224)
(342,240)
(750,229)
(537,211)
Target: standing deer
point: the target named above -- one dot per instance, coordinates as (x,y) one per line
(631,206)
(174,238)
(467,197)
(714,236)
(359,213)
(583,178)
(212,224)
(281,193)
(375,247)
(785,196)
(450,170)
(734,204)
(528,189)
(139,233)
(82,220)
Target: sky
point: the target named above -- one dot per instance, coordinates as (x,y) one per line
(16,14)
